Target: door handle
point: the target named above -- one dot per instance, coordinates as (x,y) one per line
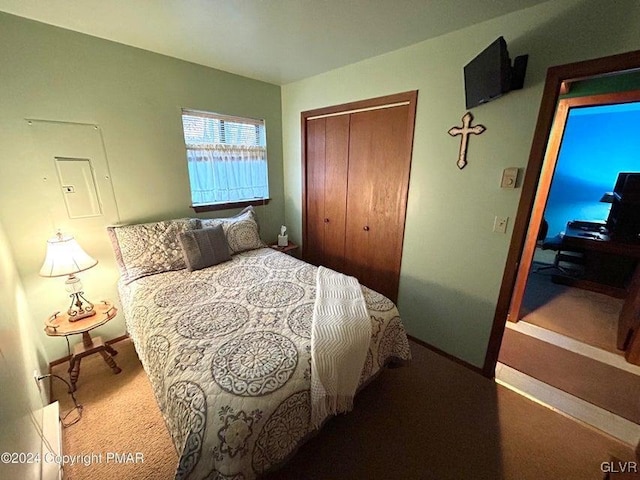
(326,220)
(366,228)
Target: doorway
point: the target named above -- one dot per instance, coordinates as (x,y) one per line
(582,262)
(579,294)
(542,162)
(538,179)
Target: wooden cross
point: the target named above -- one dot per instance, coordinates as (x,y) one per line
(465,131)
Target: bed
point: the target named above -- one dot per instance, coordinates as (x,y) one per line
(227,348)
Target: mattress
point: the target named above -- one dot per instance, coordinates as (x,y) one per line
(227,350)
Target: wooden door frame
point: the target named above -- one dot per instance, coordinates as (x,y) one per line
(558,80)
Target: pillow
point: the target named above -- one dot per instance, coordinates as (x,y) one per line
(204,248)
(148,248)
(242,230)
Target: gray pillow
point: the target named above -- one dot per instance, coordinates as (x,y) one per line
(204,248)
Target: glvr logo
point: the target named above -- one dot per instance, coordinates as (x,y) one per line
(619,467)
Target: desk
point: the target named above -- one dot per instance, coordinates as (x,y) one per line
(58,325)
(609,264)
(609,261)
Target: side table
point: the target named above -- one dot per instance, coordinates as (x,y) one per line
(289,249)
(58,325)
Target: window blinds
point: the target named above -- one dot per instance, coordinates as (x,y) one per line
(204,128)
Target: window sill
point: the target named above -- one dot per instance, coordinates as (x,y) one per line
(227,206)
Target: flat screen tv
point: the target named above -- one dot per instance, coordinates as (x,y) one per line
(490,75)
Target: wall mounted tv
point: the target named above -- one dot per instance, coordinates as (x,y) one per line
(490,75)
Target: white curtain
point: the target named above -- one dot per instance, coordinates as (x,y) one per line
(227,173)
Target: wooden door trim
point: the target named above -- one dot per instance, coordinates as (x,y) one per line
(303,146)
(540,201)
(629,322)
(360,110)
(556,76)
(396,98)
(410,96)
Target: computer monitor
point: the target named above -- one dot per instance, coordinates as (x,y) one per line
(624,217)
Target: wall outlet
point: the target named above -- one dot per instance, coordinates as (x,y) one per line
(500,224)
(36,377)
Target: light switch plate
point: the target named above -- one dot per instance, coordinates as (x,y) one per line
(509,177)
(500,224)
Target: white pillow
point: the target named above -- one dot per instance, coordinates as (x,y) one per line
(242,230)
(148,248)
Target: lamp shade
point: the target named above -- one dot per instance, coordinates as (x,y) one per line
(607,197)
(65,257)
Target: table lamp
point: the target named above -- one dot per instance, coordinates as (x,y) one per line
(65,257)
(607,197)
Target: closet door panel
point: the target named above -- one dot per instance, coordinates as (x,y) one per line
(359,194)
(335,188)
(379,162)
(315,153)
(388,203)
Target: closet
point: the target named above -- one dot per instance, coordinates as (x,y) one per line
(356,164)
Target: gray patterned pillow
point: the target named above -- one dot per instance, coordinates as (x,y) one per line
(242,231)
(149,248)
(204,248)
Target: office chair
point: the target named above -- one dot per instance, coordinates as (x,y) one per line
(555,243)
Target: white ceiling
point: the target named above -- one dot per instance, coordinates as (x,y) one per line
(277,41)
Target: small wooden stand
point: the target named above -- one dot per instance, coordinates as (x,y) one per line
(289,249)
(59,325)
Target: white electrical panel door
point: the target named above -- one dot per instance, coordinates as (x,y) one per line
(75,190)
(78,186)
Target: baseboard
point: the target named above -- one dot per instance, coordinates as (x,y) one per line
(51,442)
(117,339)
(447,355)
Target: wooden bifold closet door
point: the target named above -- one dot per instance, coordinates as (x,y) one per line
(356,164)
(328,155)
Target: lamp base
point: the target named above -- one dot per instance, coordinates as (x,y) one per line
(80,316)
(80,307)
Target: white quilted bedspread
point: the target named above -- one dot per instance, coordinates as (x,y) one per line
(228,352)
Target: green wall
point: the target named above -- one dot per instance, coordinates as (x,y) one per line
(135,97)
(596,86)
(452,262)
(20,354)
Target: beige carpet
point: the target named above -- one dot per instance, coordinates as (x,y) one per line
(433,419)
(583,315)
(120,415)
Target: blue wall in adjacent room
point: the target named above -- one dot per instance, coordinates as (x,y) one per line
(598,143)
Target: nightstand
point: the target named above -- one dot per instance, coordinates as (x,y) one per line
(289,249)
(58,325)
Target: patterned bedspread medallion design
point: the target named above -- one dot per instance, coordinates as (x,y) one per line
(228,349)
(254,364)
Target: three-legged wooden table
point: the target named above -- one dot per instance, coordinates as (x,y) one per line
(60,324)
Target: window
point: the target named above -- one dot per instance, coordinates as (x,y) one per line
(226,157)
